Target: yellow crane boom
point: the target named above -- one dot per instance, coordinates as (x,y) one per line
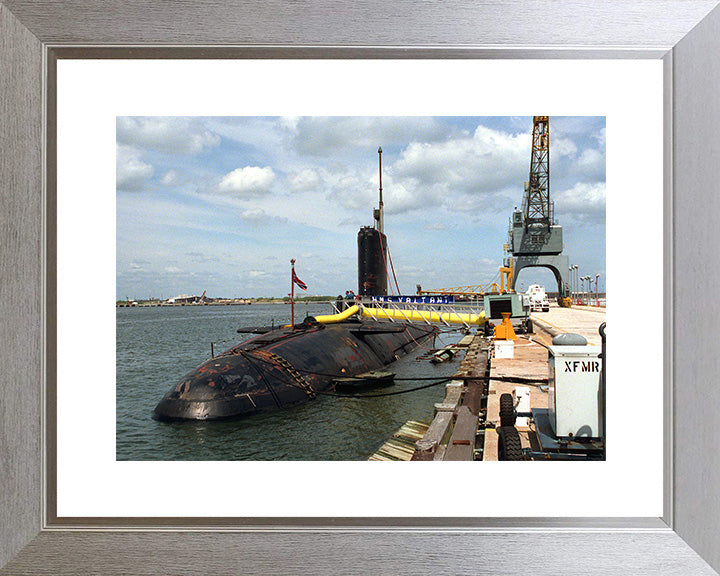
(476,289)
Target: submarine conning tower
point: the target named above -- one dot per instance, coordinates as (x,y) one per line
(372,252)
(372,255)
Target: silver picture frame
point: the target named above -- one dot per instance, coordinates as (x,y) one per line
(684,34)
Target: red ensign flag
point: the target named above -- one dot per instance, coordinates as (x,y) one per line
(300,283)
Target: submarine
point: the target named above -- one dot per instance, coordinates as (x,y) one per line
(287,366)
(290,365)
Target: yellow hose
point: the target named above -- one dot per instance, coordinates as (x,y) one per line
(333,318)
(407,315)
(421,316)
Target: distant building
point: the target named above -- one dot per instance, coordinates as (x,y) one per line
(183,299)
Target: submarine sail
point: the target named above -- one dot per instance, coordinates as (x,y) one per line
(372,250)
(372,255)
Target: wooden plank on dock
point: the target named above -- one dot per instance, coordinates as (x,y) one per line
(461,445)
(402,445)
(466,340)
(453,395)
(426,447)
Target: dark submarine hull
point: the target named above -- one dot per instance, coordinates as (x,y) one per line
(286,367)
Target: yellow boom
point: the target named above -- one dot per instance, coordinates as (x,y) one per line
(333,318)
(406,315)
(423,316)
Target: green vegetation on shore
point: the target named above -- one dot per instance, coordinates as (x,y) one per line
(261,300)
(297,299)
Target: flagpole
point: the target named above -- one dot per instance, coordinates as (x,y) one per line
(292,292)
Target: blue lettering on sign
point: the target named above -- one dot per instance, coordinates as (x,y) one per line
(415,299)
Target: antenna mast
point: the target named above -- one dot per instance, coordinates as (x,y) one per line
(379,211)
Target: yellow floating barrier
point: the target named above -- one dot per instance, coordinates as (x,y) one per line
(406,315)
(333,318)
(422,316)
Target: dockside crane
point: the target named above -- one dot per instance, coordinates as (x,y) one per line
(535,237)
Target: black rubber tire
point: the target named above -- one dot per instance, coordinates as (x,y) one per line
(507,410)
(509,445)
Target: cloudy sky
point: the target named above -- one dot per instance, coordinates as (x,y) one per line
(223,204)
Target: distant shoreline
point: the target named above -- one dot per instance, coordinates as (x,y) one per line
(217,302)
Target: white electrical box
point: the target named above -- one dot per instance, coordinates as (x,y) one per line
(504,349)
(575,405)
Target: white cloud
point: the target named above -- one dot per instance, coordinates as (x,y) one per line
(253,214)
(258,133)
(601,137)
(405,196)
(249,181)
(306,179)
(290,122)
(318,135)
(590,165)
(258,273)
(582,202)
(559,147)
(486,161)
(571,126)
(467,172)
(131,172)
(169,178)
(170,135)
(483,170)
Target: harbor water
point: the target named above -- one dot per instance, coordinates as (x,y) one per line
(156,346)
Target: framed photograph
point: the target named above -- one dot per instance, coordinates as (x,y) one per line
(230,188)
(84,80)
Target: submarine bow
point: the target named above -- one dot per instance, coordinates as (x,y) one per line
(286,367)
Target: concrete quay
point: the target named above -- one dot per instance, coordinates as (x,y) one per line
(528,368)
(464,426)
(583,320)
